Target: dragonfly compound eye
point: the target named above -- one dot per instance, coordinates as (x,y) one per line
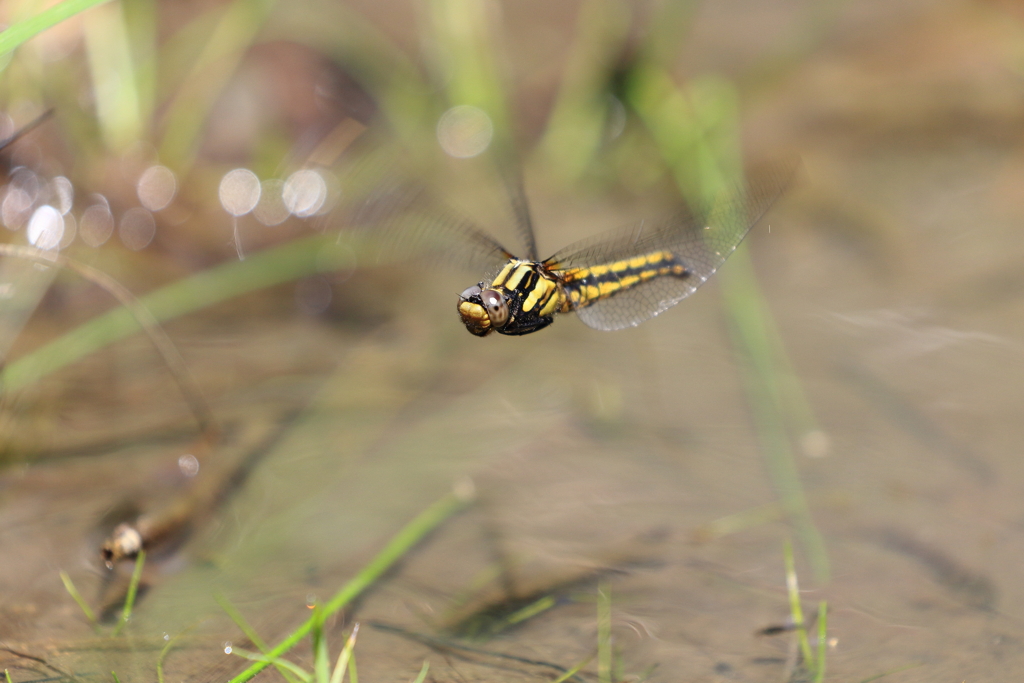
(497,309)
(473,313)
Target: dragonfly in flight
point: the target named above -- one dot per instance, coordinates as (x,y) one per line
(615,280)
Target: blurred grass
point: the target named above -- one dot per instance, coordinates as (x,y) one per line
(112,68)
(295,259)
(697,132)
(17,33)
(214,66)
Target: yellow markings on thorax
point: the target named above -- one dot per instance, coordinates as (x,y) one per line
(505,271)
(540,294)
(511,276)
(586,286)
(544,296)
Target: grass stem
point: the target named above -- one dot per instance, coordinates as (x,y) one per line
(400,544)
(133,588)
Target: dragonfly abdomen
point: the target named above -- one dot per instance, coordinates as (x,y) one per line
(586,286)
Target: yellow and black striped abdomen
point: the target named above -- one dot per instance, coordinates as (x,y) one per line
(586,286)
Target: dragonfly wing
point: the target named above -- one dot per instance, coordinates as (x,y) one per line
(632,306)
(700,240)
(403,221)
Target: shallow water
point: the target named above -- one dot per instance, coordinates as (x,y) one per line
(631,458)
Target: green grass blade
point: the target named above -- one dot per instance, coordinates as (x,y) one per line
(795,608)
(281,664)
(7,676)
(163,654)
(77,597)
(353,677)
(604,634)
(321,665)
(819,673)
(112,71)
(345,656)
(419,678)
(133,587)
(307,256)
(573,671)
(241,623)
(213,68)
(749,317)
(696,130)
(400,544)
(576,129)
(113,675)
(23,30)
(251,634)
(530,611)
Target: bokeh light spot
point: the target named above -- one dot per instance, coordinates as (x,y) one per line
(239,191)
(156,187)
(137,228)
(70,229)
(271,209)
(63,194)
(45,228)
(188,464)
(15,208)
(97,225)
(304,192)
(464,131)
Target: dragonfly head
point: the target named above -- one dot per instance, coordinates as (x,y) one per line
(483,310)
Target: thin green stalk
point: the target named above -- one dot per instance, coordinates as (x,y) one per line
(819,665)
(425,668)
(213,68)
(133,587)
(17,34)
(604,634)
(281,664)
(573,671)
(7,676)
(251,634)
(321,665)
(795,609)
(353,676)
(400,544)
(77,597)
(696,130)
(112,71)
(163,654)
(749,315)
(533,609)
(114,675)
(345,656)
(307,256)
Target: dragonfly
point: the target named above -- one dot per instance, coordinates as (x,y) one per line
(615,280)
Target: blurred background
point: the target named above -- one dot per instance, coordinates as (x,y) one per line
(848,385)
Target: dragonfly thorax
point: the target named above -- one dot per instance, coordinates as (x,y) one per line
(523,298)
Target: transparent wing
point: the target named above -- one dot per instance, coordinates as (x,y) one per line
(701,240)
(521,208)
(404,221)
